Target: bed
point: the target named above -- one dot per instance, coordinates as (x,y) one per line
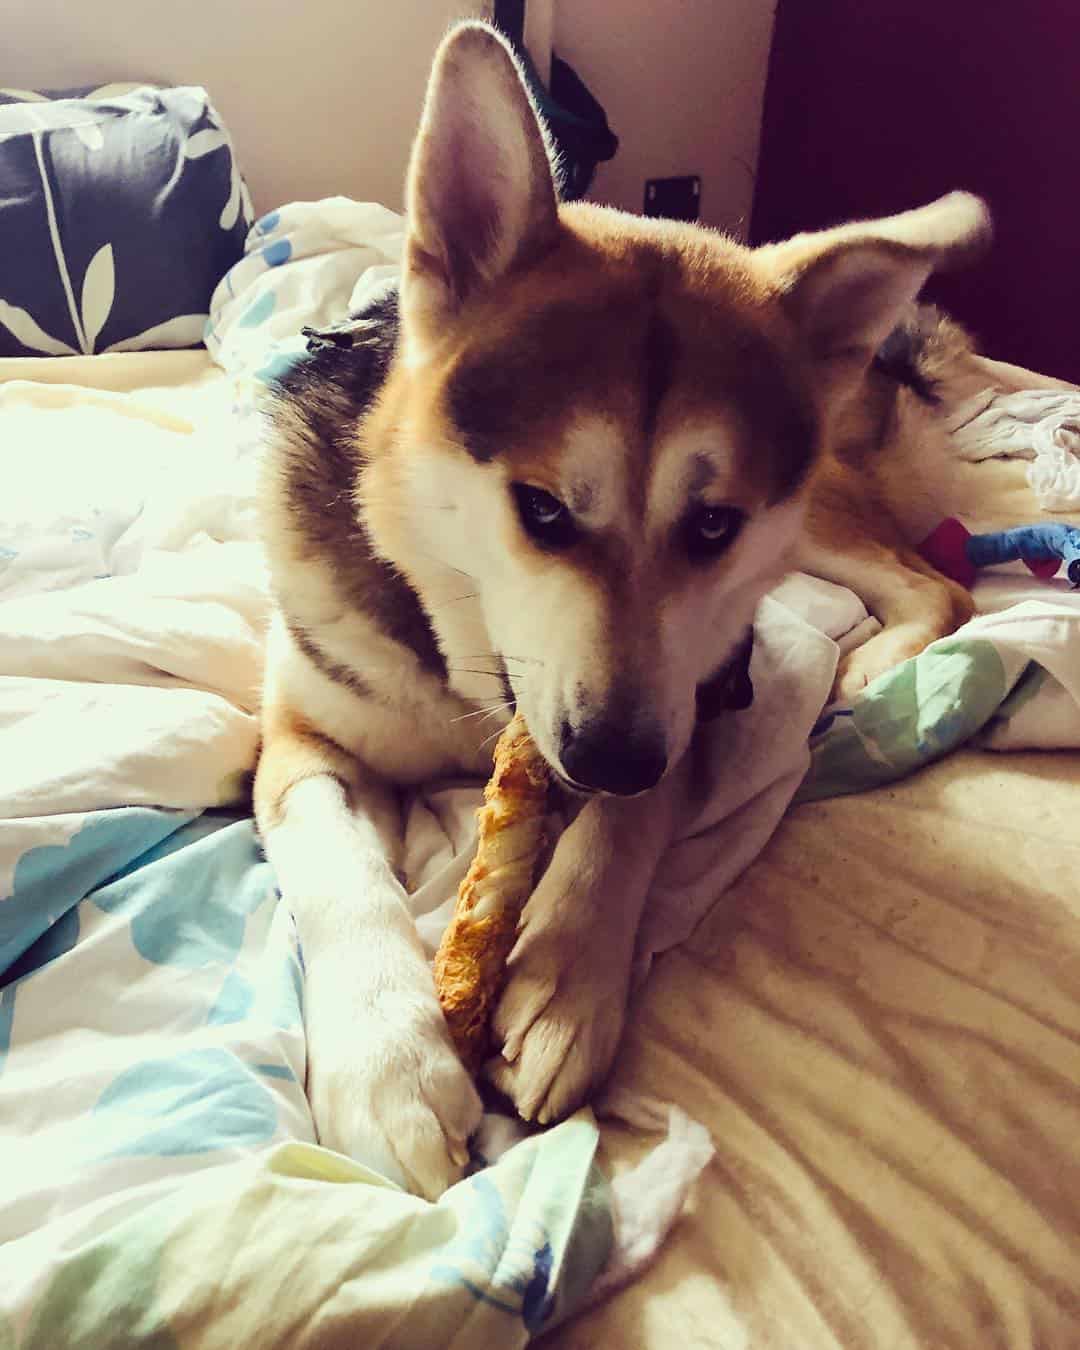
(860,1031)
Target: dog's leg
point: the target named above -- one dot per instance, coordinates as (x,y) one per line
(561,1014)
(852,539)
(914,603)
(384,1083)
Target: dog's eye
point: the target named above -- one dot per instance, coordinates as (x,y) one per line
(544,517)
(711,530)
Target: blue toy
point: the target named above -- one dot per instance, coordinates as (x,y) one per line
(1041,548)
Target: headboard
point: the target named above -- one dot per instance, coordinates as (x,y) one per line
(321,96)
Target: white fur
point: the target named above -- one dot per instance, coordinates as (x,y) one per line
(562,1012)
(593,461)
(710,440)
(384,1082)
(561,1015)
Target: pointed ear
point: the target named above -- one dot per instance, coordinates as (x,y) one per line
(480,195)
(846,289)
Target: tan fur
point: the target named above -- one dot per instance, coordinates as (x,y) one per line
(880,489)
(293,751)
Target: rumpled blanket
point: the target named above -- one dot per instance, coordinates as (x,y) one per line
(162,1183)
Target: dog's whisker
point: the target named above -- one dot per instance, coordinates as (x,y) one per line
(453,600)
(443,563)
(493,712)
(467,670)
(488,739)
(501,657)
(482,712)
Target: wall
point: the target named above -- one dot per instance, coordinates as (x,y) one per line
(873,108)
(682,82)
(322,97)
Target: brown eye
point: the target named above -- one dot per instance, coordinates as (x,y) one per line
(543,517)
(709,531)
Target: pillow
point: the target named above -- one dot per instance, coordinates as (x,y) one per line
(119,214)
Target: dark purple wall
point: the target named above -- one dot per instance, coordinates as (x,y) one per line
(873,106)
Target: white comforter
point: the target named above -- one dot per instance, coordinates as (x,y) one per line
(132,604)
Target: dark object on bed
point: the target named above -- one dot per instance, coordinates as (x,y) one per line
(121,211)
(576,120)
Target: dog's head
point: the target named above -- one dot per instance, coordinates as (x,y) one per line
(605,426)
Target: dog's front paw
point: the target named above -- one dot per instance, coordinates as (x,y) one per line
(388,1090)
(559,1020)
(883,652)
(948,606)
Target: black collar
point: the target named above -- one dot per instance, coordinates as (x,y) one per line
(730,689)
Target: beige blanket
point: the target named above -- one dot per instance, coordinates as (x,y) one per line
(880,1024)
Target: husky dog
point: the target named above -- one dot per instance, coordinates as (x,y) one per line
(558,470)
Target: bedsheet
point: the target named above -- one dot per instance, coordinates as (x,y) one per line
(880,1026)
(159,1178)
(133,599)
(151,1009)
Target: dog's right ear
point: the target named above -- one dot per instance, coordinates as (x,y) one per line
(480,194)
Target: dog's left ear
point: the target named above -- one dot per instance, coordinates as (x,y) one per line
(847,288)
(480,195)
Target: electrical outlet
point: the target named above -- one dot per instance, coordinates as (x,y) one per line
(674,198)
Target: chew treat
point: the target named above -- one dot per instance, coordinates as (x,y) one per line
(471,960)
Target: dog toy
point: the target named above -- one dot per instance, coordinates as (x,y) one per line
(470,964)
(1042,548)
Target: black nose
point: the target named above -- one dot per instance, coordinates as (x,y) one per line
(608,758)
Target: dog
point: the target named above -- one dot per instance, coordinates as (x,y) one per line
(556,471)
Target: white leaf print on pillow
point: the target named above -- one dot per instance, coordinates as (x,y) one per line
(204,142)
(25,95)
(185,330)
(115,90)
(98,293)
(29,333)
(89,134)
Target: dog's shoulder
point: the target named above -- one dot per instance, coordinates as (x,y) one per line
(323,561)
(337,379)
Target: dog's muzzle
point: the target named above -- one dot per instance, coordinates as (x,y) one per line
(604,757)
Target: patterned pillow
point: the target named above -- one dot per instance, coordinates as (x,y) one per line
(120,211)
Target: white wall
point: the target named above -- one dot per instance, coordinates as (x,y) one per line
(682,82)
(322,96)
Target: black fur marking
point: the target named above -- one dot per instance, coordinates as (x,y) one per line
(702,472)
(730,689)
(659,361)
(899,358)
(333,670)
(507,687)
(478,398)
(328,393)
(523,385)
